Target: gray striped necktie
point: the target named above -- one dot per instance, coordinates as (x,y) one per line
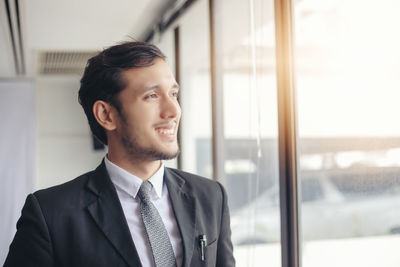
(160,244)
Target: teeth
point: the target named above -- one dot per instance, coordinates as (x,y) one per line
(164,131)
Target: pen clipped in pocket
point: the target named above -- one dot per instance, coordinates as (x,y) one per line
(207,248)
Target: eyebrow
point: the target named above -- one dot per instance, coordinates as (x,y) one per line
(176,86)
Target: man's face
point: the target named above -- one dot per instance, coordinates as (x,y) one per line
(150,112)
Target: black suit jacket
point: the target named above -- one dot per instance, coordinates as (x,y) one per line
(81,223)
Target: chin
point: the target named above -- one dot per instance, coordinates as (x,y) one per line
(171,154)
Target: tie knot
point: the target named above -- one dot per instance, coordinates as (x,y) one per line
(144,191)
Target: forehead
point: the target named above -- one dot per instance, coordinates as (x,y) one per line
(159,73)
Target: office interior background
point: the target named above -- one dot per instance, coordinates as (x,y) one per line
(292,104)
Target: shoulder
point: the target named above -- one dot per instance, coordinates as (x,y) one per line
(200,186)
(194,179)
(70,194)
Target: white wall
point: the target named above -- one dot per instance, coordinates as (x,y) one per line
(17,154)
(64,144)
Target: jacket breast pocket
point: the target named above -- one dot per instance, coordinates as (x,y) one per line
(210,254)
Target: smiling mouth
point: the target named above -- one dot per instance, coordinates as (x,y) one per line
(166,129)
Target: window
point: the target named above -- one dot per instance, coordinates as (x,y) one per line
(348,140)
(245,72)
(195,95)
(348,88)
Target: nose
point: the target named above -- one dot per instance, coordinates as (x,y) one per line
(170,108)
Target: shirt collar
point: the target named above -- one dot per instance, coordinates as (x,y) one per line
(130,183)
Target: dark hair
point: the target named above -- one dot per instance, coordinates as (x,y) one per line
(102,79)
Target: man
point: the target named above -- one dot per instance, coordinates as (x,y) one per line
(131,210)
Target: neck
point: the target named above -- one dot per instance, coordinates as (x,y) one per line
(142,168)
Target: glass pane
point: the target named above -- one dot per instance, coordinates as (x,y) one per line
(348,86)
(245,50)
(195,92)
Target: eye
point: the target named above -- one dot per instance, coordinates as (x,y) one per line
(151,96)
(175,94)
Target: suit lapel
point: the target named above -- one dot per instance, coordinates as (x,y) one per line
(184,207)
(107,212)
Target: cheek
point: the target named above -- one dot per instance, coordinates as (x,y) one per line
(141,122)
(143,119)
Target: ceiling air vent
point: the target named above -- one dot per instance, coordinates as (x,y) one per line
(63,62)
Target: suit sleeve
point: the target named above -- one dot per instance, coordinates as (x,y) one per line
(225,249)
(31,245)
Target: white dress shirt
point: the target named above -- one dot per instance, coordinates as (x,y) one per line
(127,186)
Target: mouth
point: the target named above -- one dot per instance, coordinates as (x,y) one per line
(167,130)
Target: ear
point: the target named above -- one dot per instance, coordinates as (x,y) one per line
(105,115)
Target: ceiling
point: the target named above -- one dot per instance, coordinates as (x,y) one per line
(75,26)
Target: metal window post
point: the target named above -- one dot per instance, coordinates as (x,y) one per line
(290,237)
